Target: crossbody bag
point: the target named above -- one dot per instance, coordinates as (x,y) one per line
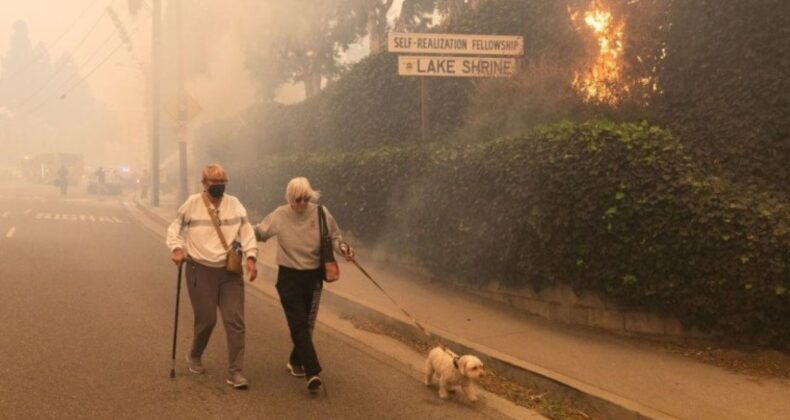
(233,261)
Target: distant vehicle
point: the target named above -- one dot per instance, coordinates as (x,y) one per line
(43,167)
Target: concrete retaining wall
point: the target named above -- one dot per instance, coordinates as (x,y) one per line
(562,304)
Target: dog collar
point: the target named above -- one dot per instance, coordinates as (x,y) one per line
(455,361)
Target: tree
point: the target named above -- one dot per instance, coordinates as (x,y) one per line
(19,67)
(416,15)
(377,25)
(310,46)
(36,118)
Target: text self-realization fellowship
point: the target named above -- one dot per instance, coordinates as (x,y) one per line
(462,44)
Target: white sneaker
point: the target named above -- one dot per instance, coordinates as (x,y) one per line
(314,384)
(237,381)
(195,365)
(297,370)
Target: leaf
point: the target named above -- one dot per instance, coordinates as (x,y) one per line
(780,290)
(629,280)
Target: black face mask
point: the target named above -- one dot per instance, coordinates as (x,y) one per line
(216,191)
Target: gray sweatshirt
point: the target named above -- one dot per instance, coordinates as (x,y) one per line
(298,237)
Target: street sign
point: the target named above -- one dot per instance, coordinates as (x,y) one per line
(456,66)
(183,108)
(501,45)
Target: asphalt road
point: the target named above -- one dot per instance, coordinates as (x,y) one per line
(86,322)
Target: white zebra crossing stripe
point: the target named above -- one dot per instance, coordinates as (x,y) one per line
(5,215)
(79,218)
(28,211)
(10,233)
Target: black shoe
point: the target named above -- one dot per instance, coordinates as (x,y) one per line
(295,370)
(314,384)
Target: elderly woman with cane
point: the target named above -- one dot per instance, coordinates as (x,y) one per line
(300,277)
(209,235)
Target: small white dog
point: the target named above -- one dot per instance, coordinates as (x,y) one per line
(453,371)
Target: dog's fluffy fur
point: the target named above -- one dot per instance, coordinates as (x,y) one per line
(440,364)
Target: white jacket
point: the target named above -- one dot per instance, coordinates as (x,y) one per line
(193,231)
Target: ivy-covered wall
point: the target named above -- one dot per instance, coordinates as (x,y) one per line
(619,209)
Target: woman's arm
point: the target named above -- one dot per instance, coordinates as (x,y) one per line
(266,228)
(174,238)
(340,246)
(247,235)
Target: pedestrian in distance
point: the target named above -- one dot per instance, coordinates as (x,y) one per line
(300,273)
(144,181)
(101,180)
(63,180)
(199,236)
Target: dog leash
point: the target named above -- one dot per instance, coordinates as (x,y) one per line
(408,315)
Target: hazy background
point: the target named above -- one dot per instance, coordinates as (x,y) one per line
(51,47)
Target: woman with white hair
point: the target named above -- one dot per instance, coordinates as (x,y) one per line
(300,275)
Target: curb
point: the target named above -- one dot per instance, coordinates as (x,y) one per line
(150,213)
(598,402)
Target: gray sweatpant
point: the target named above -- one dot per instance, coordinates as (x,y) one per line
(210,287)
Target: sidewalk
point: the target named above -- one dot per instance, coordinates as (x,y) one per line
(643,380)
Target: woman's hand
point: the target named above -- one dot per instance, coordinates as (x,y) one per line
(347,251)
(177,256)
(252,268)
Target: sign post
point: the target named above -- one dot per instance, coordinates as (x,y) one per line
(183,109)
(453,55)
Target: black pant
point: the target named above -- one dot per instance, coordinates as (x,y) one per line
(300,294)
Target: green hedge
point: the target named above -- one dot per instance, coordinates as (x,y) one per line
(726,84)
(619,209)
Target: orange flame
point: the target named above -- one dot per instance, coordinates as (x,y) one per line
(602,82)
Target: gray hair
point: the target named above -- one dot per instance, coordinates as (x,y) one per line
(300,187)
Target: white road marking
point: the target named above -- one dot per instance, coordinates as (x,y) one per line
(6,214)
(28,211)
(10,233)
(81,218)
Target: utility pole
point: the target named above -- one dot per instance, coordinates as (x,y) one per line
(156,47)
(181,123)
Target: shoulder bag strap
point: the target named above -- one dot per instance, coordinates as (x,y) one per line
(215,221)
(321,229)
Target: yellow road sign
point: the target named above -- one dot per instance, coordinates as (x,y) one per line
(183,108)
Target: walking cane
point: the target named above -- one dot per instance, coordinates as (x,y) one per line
(175,324)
